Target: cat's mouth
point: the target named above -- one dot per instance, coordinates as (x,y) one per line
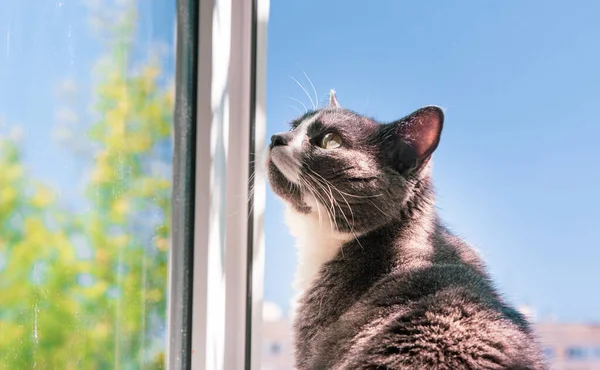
(284,162)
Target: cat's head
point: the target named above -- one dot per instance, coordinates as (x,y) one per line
(355,172)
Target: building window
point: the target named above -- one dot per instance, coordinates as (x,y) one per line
(272,349)
(549,352)
(275,348)
(577,353)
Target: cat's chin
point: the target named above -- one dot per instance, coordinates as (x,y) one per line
(285,190)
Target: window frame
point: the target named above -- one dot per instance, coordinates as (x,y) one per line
(216,259)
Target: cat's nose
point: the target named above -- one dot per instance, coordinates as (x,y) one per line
(278,139)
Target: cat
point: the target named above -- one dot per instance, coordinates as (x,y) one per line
(382,283)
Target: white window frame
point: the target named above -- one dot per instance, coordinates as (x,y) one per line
(217,246)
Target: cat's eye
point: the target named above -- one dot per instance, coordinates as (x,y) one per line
(331,141)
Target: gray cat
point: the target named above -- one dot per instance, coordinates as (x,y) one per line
(382,283)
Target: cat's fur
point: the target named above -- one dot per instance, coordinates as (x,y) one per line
(382,283)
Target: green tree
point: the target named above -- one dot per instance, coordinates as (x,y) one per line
(88,291)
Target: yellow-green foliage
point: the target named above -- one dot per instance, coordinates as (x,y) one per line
(105,309)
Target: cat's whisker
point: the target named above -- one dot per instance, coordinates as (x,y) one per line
(306,92)
(250,195)
(313,87)
(327,212)
(367,101)
(361,196)
(301,103)
(329,184)
(296,108)
(336,203)
(352,231)
(308,187)
(318,198)
(332,209)
(252,175)
(323,185)
(331,200)
(348,194)
(380,210)
(351,225)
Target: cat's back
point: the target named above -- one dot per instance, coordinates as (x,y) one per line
(454,327)
(444,315)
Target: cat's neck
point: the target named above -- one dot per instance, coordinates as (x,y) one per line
(316,244)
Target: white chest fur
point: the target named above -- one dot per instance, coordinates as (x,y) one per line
(316,243)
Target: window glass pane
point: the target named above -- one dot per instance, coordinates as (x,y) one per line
(86,103)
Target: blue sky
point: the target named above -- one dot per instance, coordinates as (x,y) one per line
(517,168)
(47,46)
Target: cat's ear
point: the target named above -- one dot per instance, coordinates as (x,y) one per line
(417,136)
(333,102)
